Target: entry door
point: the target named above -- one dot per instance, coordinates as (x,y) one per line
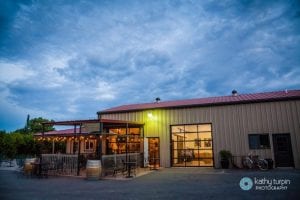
(283,150)
(153,152)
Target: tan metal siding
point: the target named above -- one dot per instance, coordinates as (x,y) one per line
(231,125)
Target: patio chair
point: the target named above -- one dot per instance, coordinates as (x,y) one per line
(108,167)
(44,170)
(119,167)
(51,167)
(59,167)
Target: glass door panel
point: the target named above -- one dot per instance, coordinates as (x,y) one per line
(154,153)
(191,145)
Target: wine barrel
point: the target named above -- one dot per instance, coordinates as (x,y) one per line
(28,166)
(93,169)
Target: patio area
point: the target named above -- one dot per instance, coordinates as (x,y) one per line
(117,146)
(117,166)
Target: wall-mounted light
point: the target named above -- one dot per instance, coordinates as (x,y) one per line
(151,116)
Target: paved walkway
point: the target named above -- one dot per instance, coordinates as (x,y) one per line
(170,183)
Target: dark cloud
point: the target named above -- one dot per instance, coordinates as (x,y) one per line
(69,59)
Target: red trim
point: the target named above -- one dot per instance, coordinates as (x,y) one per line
(66,132)
(211,101)
(80,122)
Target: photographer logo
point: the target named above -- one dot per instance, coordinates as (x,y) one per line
(246,183)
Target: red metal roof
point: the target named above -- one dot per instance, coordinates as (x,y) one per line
(88,121)
(66,132)
(84,131)
(211,101)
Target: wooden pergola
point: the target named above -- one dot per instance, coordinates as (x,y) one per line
(104,125)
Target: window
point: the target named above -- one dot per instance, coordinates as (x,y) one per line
(191,145)
(89,146)
(118,141)
(259,141)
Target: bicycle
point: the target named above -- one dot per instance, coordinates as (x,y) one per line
(251,162)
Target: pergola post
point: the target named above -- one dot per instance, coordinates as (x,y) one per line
(126,142)
(43,130)
(75,137)
(43,136)
(79,144)
(53,146)
(99,142)
(143,154)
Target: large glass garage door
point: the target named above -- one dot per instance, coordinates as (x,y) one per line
(191,145)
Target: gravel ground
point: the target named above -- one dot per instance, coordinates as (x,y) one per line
(169,183)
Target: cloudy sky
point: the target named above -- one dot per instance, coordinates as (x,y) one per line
(69,59)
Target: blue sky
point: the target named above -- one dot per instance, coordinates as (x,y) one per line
(69,59)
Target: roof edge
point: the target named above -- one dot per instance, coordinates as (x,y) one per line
(205,105)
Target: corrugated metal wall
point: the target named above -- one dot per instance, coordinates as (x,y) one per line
(231,125)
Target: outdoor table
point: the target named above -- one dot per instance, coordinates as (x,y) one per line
(128,166)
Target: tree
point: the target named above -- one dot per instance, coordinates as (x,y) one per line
(27,123)
(9,146)
(35,125)
(21,141)
(2,135)
(25,144)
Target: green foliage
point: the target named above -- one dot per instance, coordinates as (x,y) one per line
(21,130)
(8,146)
(35,125)
(225,154)
(2,136)
(25,144)
(21,141)
(45,146)
(12,144)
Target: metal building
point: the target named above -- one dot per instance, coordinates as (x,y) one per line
(192,132)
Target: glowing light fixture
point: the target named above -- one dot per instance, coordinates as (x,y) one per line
(151,116)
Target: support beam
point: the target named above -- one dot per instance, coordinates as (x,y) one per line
(43,130)
(74,150)
(53,146)
(99,141)
(79,144)
(127,142)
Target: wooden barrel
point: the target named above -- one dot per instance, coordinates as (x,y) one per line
(93,169)
(28,166)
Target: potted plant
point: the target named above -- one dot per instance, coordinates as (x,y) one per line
(225,156)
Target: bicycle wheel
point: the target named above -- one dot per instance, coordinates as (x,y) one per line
(248,163)
(262,164)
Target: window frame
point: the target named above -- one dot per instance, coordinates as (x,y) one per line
(259,145)
(90,144)
(176,129)
(132,141)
